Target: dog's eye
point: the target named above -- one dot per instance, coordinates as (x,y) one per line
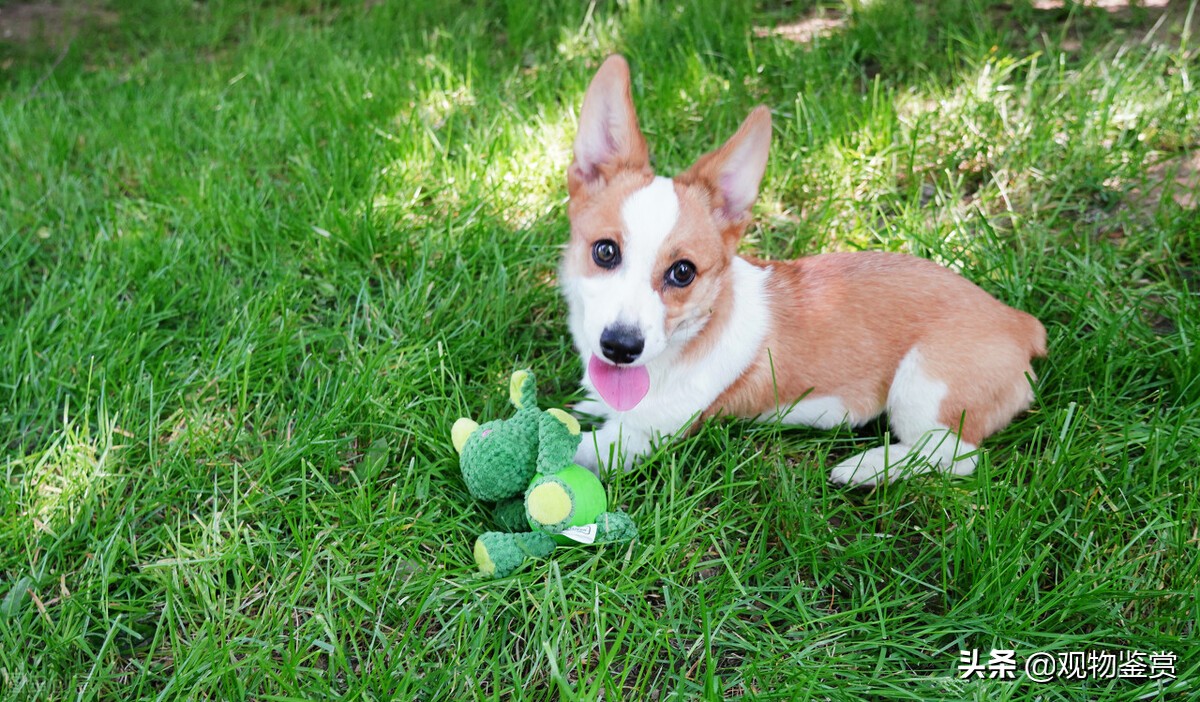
(681,274)
(606,253)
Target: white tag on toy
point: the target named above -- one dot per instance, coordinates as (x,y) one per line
(585,534)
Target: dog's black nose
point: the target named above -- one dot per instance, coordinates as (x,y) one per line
(621,344)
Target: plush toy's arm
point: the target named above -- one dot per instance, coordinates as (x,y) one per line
(498,555)
(522,390)
(615,526)
(558,439)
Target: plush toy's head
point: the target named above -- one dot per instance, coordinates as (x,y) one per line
(500,457)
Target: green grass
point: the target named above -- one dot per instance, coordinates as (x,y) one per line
(255,260)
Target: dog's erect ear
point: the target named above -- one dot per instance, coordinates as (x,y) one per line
(609,139)
(732,173)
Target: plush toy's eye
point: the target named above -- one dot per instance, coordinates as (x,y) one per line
(681,274)
(606,253)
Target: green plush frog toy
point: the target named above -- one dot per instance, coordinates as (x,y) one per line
(525,465)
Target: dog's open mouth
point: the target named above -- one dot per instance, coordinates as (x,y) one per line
(622,387)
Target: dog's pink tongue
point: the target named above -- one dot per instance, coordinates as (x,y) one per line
(622,387)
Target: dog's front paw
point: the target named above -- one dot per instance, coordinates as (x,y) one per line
(608,450)
(590,408)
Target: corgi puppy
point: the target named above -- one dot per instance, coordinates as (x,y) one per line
(673,326)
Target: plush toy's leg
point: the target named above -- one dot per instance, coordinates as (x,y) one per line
(615,526)
(498,555)
(558,439)
(509,515)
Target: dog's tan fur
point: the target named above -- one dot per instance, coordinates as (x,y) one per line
(840,324)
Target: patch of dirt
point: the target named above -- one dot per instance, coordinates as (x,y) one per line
(1106,5)
(1178,177)
(54,24)
(803,30)
(1158,22)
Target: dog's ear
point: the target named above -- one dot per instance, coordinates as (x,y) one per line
(609,139)
(732,173)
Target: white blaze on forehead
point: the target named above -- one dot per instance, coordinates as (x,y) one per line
(648,216)
(628,294)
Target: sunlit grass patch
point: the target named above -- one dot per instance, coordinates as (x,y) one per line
(53,484)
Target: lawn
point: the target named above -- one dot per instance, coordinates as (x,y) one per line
(255,259)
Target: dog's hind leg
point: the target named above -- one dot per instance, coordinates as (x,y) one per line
(942,402)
